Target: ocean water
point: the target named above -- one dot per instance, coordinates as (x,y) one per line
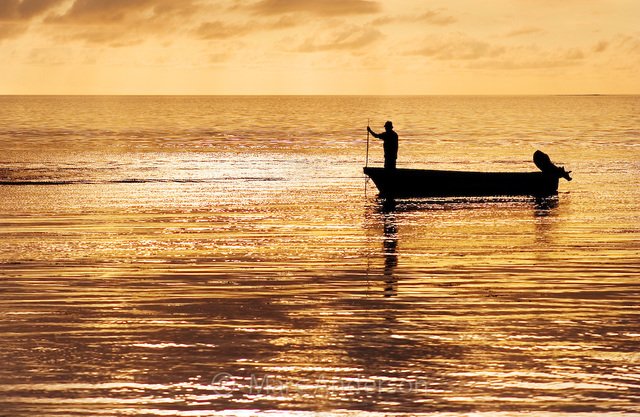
(225,256)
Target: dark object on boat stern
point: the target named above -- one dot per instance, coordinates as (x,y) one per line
(543,162)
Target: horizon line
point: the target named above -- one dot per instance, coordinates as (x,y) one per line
(314,95)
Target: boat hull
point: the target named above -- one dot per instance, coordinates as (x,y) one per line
(434,183)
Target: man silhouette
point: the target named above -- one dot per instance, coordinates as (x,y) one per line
(390,139)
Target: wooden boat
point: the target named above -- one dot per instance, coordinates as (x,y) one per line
(403,182)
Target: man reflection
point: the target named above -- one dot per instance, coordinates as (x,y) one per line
(390,247)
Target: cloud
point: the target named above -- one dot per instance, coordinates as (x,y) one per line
(49,56)
(431,17)
(523,31)
(527,64)
(284,22)
(220,57)
(114,11)
(459,47)
(436,17)
(628,43)
(346,39)
(601,46)
(25,9)
(118,23)
(479,54)
(11,30)
(622,44)
(532,58)
(112,36)
(221,30)
(16,15)
(573,54)
(316,7)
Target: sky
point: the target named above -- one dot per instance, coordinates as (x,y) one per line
(320,47)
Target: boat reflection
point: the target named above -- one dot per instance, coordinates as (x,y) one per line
(544,205)
(389,216)
(545,212)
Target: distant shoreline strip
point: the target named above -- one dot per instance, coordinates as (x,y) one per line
(135,181)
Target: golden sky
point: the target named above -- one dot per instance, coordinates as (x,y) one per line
(319,47)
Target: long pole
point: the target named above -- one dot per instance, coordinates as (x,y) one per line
(366,163)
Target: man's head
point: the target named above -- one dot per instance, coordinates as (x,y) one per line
(388,125)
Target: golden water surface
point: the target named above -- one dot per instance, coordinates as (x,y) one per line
(224,255)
